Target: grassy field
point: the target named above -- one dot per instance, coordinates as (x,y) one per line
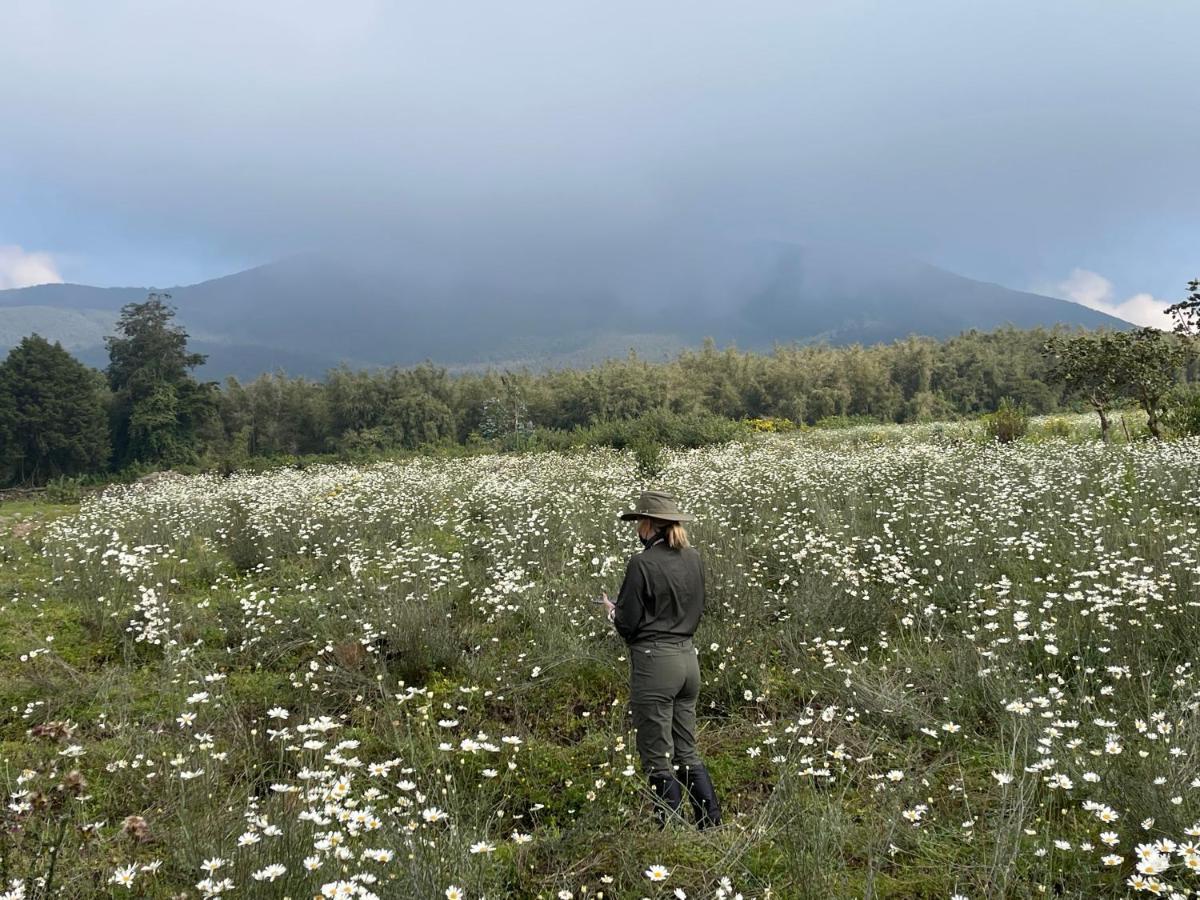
(932,668)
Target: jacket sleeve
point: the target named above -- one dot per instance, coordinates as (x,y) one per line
(630,608)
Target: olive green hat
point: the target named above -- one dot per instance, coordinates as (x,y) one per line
(657,505)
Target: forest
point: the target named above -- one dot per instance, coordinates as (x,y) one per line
(146,411)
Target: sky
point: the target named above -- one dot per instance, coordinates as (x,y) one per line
(1047,146)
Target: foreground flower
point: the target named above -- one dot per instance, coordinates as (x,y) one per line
(270,873)
(454,892)
(210,888)
(123,876)
(657,873)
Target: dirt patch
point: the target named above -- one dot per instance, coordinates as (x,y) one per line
(25,528)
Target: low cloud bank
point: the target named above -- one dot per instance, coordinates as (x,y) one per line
(1094,291)
(21,268)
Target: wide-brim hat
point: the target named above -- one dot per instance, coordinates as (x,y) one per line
(657,505)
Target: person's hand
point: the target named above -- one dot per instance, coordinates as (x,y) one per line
(609,606)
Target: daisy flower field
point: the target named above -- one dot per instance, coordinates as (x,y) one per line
(932,667)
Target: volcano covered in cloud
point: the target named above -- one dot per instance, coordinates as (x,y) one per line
(308,313)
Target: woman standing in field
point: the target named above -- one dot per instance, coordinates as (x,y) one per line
(657,610)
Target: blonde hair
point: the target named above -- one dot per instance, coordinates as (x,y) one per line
(674,532)
(677,537)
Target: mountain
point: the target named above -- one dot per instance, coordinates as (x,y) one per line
(309,313)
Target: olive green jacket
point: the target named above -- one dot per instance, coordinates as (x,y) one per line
(662,595)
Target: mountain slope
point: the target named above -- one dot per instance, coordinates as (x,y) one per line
(309,313)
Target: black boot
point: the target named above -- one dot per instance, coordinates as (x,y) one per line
(668,796)
(703,797)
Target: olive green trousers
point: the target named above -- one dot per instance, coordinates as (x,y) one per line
(664,684)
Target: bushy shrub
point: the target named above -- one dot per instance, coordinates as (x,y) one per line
(1057,428)
(644,435)
(648,457)
(1007,424)
(65,490)
(845,421)
(1183,413)
(770,424)
(665,428)
(560,439)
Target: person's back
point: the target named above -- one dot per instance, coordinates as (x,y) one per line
(662,595)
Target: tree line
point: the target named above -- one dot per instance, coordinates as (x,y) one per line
(1143,365)
(146,410)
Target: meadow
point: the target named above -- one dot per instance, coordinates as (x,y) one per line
(933,667)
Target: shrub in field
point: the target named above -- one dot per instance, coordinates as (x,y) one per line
(771,424)
(1072,428)
(540,439)
(64,490)
(1006,424)
(668,429)
(1183,413)
(1057,427)
(661,428)
(648,456)
(242,545)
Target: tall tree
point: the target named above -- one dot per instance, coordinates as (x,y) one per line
(506,411)
(1089,365)
(159,411)
(1150,362)
(52,414)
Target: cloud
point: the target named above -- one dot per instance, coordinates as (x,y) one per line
(20,268)
(1094,291)
(567,131)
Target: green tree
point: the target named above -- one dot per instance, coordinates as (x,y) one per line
(506,412)
(1089,364)
(1150,362)
(52,414)
(160,412)
(276,415)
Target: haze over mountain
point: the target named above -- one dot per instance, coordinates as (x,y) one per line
(308,313)
(1023,143)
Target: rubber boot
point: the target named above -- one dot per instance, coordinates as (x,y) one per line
(668,796)
(704,799)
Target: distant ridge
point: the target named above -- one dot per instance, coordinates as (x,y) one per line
(309,313)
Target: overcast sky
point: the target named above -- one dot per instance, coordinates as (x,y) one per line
(1044,144)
